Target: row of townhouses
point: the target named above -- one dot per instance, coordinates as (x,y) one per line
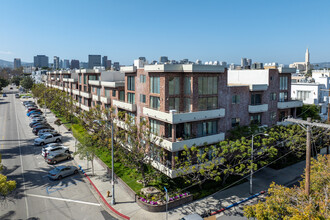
(184,104)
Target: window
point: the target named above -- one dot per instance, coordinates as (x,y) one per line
(208,85)
(107,92)
(255,99)
(207,103)
(131,98)
(113,93)
(98,91)
(131,83)
(142,98)
(154,102)
(235,122)
(142,78)
(121,95)
(187,85)
(155,85)
(187,104)
(255,119)
(273,96)
(235,99)
(79,79)
(207,128)
(174,86)
(92,77)
(174,104)
(283,83)
(154,126)
(273,116)
(85,79)
(303,95)
(283,97)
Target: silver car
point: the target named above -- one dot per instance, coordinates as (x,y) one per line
(62,171)
(54,158)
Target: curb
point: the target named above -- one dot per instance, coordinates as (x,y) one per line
(103,199)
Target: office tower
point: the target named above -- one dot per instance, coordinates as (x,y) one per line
(223,63)
(163,59)
(108,65)
(244,63)
(17,63)
(94,60)
(74,64)
(104,61)
(41,61)
(56,62)
(61,64)
(249,62)
(116,66)
(66,64)
(83,65)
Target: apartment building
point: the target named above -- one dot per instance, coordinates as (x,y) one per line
(187,104)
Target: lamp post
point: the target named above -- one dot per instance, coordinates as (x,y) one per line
(251,174)
(112,168)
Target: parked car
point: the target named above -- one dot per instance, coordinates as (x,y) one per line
(192,217)
(4,95)
(46,131)
(36,122)
(33,117)
(39,124)
(28,102)
(16,95)
(47,138)
(54,148)
(35,130)
(62,171)
(57,157)
(31,109)
(34,112)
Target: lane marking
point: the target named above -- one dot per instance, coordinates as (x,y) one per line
(52,189)
(22,168)
(66,200)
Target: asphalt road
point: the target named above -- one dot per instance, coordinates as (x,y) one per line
(36,196)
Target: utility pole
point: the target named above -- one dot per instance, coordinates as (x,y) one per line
(308,124)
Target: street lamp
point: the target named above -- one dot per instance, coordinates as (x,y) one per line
(251,174)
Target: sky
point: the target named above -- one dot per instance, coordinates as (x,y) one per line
(209,30)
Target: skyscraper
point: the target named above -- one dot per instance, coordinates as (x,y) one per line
(56,62)
(116,66)
(94,60)
(41,61)
(163,59)
(17,63)
(74,64)
(104,61)
(66,64)
(108,64)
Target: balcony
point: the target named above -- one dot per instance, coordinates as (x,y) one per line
(55,86)
(86,95)
(128,69)
(75,91)
(124,105)
(96,97)
(72,80)
(60,87)
(65,79)
(69,90)
(258,108)
(175,118)
(94,82)
(57,79)
(52,78)
(105,100)
(84,107)
(179,145)
(289,104)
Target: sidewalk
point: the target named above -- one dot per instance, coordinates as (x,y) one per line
(127,206)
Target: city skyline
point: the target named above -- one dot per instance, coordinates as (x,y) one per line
(209,31)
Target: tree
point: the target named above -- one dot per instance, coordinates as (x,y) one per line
(27,82)
(292,203)
(16,80)
(309,111)
(5,186)
(87,149)
(3,82)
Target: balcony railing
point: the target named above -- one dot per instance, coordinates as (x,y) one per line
(86,95)
(96,97)
(174,118)
(258,108)
(105,100)
(125,105)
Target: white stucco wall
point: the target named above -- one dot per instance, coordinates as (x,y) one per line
(248,77)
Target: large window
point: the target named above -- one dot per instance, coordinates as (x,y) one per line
(235,122)
(303,95)
(142,78)
(174,104)
(154,102)
(273,96)
(85,79)
(207,128)
(131,98)
(142,98)
(207,103)
(155,85)
(255,119)
(187,85)
(131,83)
(273,116)
(255,99)
(187,104)
(154,126)
(174,86)
(235,99)
(114,93)
(283,83)
(283,97)
(79,79)
(92,77)
(98,91)
(121,95)
(208,85)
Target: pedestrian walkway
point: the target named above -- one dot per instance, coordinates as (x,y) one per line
(127,206)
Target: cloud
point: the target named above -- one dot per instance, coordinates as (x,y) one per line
(6,52)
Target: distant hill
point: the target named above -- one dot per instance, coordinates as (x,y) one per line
(5,63)
(321,65)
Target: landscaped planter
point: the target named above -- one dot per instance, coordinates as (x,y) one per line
(153,206)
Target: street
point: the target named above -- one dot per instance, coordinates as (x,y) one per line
(36,196)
